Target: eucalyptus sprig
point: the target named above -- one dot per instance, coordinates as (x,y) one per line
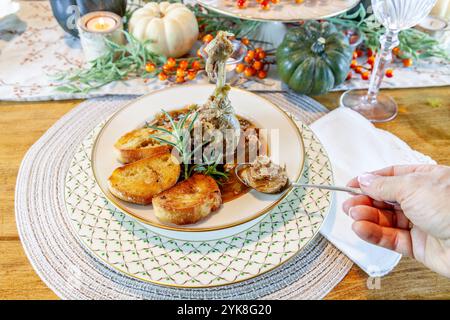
(120,62)
(413,43)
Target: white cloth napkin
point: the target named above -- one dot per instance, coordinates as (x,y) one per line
(355,146)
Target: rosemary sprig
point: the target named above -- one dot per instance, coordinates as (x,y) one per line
(210,170)
(413,43)
(180,134)
(120,62)
(181,137)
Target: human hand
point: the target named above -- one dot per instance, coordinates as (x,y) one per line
(419,226)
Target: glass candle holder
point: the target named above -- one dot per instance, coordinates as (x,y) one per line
(94,28)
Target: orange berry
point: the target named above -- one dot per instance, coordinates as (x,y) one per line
(251,54)
(245,41)
(180,72)
(265,5)
(196,65)
(191,74)
(262,74)
(258,65)
(166,68)
(150,67)
(360,53)
(183,64)
(248,60)
(371,60)
(162,76)
(396,51)
(354,64)
(407,62)
(199,53)
(370,52)
(207,38)
(389,73)
(275,1)
(349,76)
(240,68)
(365,75)
(355,54)
(249,72)
(359,69)
(261,55)
(299,1)
(241,4)
(180,79)
(171,62)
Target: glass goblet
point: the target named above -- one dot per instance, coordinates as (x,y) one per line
(394,15)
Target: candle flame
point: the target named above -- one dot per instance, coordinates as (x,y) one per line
(101,24)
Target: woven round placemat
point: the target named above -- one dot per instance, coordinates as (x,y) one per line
(73,273)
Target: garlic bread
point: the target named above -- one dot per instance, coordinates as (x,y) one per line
(188,201)
(137,144)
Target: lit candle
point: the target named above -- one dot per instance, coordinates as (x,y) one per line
(103,24)
(94,28)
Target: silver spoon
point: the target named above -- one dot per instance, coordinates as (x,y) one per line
(354,191)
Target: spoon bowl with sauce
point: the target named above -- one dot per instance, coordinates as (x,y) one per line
(265,176)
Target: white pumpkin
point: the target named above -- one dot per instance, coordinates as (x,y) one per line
(171,27)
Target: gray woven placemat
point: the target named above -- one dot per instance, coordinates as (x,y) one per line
(73,273)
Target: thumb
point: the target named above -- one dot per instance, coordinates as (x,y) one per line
(382,188)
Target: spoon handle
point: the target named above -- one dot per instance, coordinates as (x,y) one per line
(355,191)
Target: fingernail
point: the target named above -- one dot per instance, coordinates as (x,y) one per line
(366,179)
(350,213)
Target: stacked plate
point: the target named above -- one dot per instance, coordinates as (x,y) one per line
(247,237)
(285,11)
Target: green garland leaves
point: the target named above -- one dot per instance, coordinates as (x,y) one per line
(119,63)
(125,61)
(413,43)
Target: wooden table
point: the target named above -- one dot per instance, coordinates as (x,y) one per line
(423,122)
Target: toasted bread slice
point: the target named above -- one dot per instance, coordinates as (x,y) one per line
(139,181)
(137,144)
(188,201)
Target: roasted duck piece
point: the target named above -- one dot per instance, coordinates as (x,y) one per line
(218,113)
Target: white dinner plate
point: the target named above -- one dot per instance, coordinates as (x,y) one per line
(125,245)
(244,209)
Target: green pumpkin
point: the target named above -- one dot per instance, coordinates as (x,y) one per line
(314,58)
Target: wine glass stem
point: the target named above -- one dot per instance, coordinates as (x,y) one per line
(388,42)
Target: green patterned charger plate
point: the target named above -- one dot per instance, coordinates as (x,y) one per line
(129,247)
